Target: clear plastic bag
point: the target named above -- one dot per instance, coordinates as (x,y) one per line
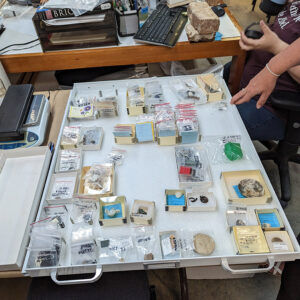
(83,245)
(83,211)
(107,105)
(83,101)
(116,156)
(186,243)
(237,215)
(98,179)
(169,243)
(135,96)
(153,95)
(62,188)
(187,123)
(187,91)
(69,160)
(193,166)
(145,242)
(59,213)
(117,249)
(225,149)
(90,138)
(82,108)
(123,130)
(45,244)
(165,120)
(70,137)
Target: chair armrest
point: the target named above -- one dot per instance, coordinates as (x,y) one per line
(285,100)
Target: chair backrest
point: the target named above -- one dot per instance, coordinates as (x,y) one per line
(290,103)
(272,7)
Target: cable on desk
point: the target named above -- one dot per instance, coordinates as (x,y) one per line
(21,44)
(32,46)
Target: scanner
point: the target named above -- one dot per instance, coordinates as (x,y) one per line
(23,118)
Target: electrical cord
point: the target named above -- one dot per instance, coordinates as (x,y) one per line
(21,44)
(19,49)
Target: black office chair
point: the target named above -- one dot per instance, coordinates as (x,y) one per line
(269,7)
(285,150)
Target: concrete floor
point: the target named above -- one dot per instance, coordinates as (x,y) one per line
(260,287)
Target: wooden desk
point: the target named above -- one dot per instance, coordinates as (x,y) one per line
(135,54)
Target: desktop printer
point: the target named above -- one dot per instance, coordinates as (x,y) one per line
(60,29)
(23,117)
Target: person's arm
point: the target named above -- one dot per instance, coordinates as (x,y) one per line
(268,42)
(264,82)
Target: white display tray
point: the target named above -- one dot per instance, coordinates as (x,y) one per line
(22,177)
(148,169)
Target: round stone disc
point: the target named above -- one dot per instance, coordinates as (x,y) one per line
(203,244)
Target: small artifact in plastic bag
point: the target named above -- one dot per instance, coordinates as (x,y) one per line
(116,156)
(69,160)
(169,244)
(59,213)
(83,245)
(237,215)
(62,188)
(145,242)
(187,123)
(135,95)
(165,120)
(45,244)
(70,137)
(222,106)
(118,248)
(107,105)
(82,101)
(90,138)
(186,243)
(187,91)
(210,86)
(98,179)
(224,149)
(83,211)
(193,166)
(154,95)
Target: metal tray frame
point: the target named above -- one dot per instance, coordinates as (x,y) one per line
(225,260)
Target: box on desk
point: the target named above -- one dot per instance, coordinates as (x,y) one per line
(59,29)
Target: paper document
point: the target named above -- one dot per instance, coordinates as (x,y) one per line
(75,20)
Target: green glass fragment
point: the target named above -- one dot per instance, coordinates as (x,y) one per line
(233,151)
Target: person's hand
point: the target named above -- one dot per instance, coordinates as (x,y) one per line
(268,42)
(262,84)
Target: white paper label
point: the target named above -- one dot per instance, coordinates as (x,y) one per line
(231,139)
(280,246)
(166,246)
(121,245)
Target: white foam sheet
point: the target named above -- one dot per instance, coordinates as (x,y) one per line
(149,169)
(20,29)
(19,181)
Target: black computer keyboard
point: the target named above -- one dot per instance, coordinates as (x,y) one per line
(163,27)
